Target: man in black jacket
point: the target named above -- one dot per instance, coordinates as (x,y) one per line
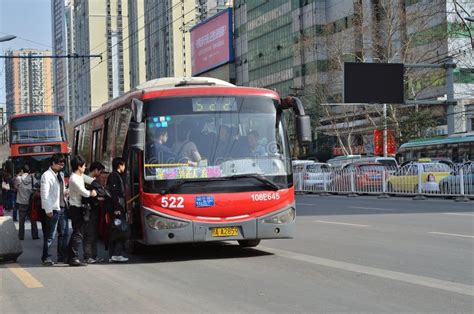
(91,216)
(119,231)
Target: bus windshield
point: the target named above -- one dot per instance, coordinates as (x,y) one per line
(194,138)
(36,129)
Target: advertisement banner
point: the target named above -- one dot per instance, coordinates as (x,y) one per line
(211,42)
(378,142)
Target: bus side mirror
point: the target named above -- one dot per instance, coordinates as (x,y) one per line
(303,122)
(136,136)
(303,129)
(137,110)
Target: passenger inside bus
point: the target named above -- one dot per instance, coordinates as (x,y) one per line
(160,154)
(184,146)
(256,149)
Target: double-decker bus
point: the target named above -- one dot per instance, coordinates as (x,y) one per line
(238,186)
(458,148)
(32,139)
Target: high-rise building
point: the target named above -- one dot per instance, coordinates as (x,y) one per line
(28,81)
(60,65)
(99,30)
(167,38)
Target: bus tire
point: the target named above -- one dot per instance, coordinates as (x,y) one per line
(249,243)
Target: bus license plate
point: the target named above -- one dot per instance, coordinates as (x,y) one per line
(225,232)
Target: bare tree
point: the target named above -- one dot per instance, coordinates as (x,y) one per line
(387,31)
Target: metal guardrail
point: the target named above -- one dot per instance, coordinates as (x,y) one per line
(457,181)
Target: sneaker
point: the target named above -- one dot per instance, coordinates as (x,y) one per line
(122,259)
(99,259)
(114,259)
(48,262)
(90,260)
(77,262)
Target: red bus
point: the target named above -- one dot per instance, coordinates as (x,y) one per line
(32,139)
(240,187)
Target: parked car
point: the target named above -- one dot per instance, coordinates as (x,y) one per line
(316,176)
(368,177)
(406,178)
(299,167)
(452,183)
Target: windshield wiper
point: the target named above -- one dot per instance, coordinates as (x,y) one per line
(268,183)
(259,177)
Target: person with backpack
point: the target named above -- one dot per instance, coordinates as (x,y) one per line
(117,211)
(25,189)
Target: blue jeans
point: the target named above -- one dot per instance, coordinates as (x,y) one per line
(63,235)
(49,225)
(12,204)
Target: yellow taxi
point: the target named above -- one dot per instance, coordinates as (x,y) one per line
(408,177)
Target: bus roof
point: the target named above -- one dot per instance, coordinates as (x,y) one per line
(21,115)
(173,86)
(438,141)
(172,82)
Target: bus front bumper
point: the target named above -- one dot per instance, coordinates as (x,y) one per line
(163,229)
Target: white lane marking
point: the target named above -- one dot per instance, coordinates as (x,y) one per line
(453,235)
(378,272)
(373,208)
(305,204)
(340,223)
(459,214)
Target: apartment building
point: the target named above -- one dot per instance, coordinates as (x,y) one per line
(28,81)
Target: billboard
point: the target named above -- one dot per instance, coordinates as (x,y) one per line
(211,42)
(378,83)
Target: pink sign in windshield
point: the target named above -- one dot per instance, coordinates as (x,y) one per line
(211,42)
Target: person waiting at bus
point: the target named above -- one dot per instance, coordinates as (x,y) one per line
(183,147)
(28,185)
(52,202)
(119,231)
(77,190)
(91,218)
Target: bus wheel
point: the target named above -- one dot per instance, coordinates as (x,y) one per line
(249,243)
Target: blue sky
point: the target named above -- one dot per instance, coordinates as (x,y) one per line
(30,21)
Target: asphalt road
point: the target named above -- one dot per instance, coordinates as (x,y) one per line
(349,255)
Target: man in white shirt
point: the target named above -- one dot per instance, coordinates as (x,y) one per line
(52,199)
(77,190)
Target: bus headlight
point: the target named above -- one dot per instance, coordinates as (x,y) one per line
(161,223)
(283,217)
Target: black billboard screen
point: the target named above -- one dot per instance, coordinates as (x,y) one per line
(373,83)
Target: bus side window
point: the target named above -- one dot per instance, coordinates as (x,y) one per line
(105,137)
(76,141)
(96,145)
